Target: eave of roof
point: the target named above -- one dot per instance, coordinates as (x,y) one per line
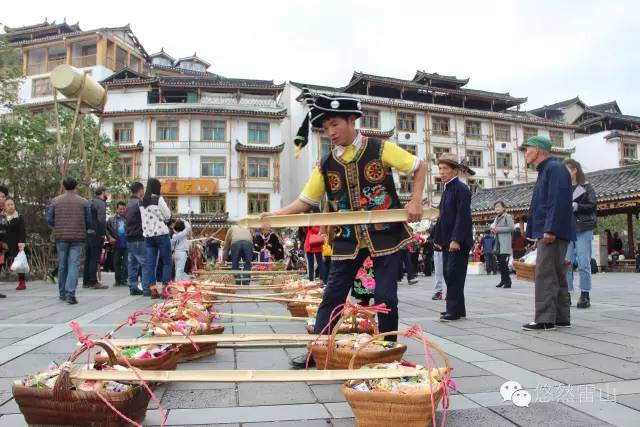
(180,109)
(559,105)
(435,76)
(258,148)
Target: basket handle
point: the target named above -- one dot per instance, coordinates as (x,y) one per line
(62,386)
(428,341)
(334,331)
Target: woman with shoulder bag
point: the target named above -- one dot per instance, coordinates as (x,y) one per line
(502,227)
(313,243)
(12,226)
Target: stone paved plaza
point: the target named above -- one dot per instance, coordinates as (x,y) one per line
(588,375)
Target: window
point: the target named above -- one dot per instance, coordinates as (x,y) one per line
(41,87)
(630,151)
(475,184)
(438,185)
(213,130)
(213,166)
(411,148)
(370,119)
(438,151)
(406,184)
(258,203)
(440,125)
(528,132)
(557,138)
(472,128)
(258,133)
(474,157)
(504,183)
(172,202)
(258,167)
(503,132)
(122,132)
(503,160)
(126,167)
(121,58)
(133,62)
(167,130)
(406,122)
(166,166)
(325,147)
(213,204)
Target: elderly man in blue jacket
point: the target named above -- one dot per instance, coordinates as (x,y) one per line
(550,224)
(453,234)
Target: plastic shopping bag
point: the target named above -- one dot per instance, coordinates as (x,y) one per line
(20,264)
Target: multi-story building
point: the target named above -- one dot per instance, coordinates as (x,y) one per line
(430,115)
(605,138)
(214,142)
(98,52)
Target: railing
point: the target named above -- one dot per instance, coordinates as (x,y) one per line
(53,63)
(38,68)
(83,61)
(114,65)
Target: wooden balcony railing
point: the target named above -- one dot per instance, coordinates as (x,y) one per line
(83,61)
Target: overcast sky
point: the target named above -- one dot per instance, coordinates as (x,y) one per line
(545,50)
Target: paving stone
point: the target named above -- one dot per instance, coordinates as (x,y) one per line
(577,375)
(525,377)
(544,347)
(488,399)
(465,369)
(630,400)
(476,417)
(339,410)
(257,394)
(529,359)
(29,364)
(548,415)
(9,407)
(480,343)
(200,386)
(326,393)
(481,384)
(13,420)
(344,422)
(196,399)
(297,423)
(263,359)
(607,364)
(620,387)
(242,415)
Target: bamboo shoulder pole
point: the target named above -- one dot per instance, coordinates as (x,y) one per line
(243,376)
(264,316)
(251,297)
(213,338)
(253,272)
(335,218)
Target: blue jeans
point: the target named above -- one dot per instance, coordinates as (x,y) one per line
(579,252)
(242,249)
(157,246)
(136,262)
(69,254)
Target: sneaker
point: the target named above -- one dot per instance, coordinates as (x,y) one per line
(563,324)
(448,318)
(300,362)
(22,285)
(413,281)
(499,285)
(3,296)
(99,285)
(506,286)
(71,299)
(88,285)
(62,297)
(533,326)
(437,296)
(584,301)
(135,292)
(442,313)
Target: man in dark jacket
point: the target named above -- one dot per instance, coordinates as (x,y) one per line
(95,239)
(453,235)
(116,233)
(70,216)
(550,224)
(135,239)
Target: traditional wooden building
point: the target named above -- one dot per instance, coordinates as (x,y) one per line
(432,114)
(617,191)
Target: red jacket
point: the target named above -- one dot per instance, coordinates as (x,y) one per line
(311,231)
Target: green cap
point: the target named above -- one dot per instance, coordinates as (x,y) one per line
(539,142)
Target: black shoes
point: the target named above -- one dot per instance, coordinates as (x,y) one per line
(563,324)
(533,326)
(437,296)
(300,362)
(3,296)
(136,292)
(71,299)
(448,317)
(62,297)
(503,285)
(506,286)
(584,301)
(442,313)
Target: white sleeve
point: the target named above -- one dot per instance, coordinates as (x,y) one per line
(164,209)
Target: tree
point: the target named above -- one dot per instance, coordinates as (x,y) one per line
(10,73)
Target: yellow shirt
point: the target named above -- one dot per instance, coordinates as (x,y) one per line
(392,156)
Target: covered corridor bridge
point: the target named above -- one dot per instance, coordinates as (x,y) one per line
(617,190)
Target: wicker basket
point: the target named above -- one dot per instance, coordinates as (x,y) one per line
(298,309)
(166,362)
(62,406)
(526,272)
(312,310)
(382,409)
(187,352)
(327,356)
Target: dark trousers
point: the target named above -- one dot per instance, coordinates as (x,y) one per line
(324,275)
(120,265)
(242,250)
(92,249)
(404,263)
(428,264)
(342,274)
(412,265)
(454,265)
(490,263)
(552,291)
(503,263)
(315,260)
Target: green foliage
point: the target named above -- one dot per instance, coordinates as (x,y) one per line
(618,223)
(10,73)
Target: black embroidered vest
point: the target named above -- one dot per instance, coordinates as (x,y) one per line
(363,184)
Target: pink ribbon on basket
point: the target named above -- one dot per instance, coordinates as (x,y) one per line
(89,344)
(430,361)
(348,308)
